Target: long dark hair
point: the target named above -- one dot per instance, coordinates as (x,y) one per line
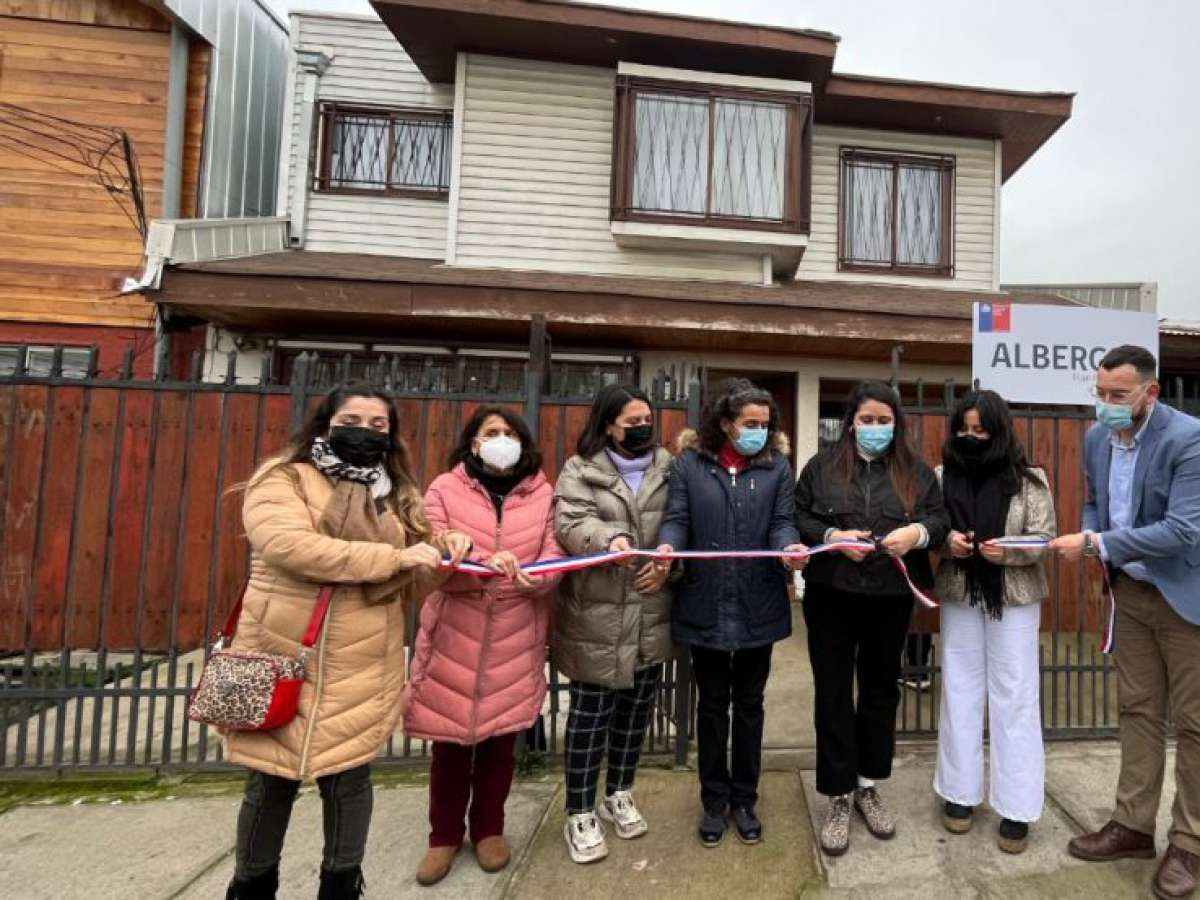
(902,461)
(1005,452)
(531,457)
(397,462)
(610,400)
(733,395)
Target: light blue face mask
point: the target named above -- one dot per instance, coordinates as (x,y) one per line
(874,439)
(750,441)
(1117,416)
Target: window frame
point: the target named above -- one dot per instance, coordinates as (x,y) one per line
(947,164)
(21,354)
(797,187)
(329,111)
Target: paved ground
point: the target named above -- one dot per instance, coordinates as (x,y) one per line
(181,848)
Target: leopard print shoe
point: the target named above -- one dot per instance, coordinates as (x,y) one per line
(879,821)
(835,834)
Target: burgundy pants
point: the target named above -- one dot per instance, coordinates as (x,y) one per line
(478,777)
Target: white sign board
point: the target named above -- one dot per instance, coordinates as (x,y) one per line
(1049,354)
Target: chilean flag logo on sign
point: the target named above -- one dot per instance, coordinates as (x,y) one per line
(995,317)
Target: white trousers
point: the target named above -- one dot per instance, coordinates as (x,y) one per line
(992,665)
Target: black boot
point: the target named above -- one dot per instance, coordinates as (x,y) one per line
(346,884)
(260,887)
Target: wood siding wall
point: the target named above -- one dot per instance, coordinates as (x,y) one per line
(974,205)
(65,243)
(369,67)
(535,172)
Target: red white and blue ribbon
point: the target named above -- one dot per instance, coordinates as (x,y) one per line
(544,567)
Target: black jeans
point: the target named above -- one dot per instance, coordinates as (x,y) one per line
(848,635)
(722,677)
(346,801)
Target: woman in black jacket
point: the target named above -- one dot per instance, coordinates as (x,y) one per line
(731,490)
(857,605)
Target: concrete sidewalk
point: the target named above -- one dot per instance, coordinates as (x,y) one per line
(181,847)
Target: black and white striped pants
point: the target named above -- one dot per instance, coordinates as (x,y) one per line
(600,720)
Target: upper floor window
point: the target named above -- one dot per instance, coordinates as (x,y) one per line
(896,213)
(710,155)
(378,151)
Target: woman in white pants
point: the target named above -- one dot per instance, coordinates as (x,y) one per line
(991,609)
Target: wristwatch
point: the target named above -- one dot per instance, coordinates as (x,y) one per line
(1090,547)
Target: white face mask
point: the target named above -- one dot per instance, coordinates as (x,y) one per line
(501,453)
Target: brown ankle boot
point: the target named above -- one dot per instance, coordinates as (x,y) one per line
(436,865)
(1113,841)
(493,853)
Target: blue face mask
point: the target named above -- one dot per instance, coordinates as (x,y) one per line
(874,439)
(1117,416)
(750,441)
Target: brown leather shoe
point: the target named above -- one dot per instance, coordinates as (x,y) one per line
(1176,877)
(1113,841)
(493,853)
(436,865)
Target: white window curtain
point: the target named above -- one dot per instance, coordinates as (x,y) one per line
(877,189)
(358,152)
(421,154)
(749,159)
(670,167)
(868,211)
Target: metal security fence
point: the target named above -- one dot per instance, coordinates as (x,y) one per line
(123,546)
(1079,695)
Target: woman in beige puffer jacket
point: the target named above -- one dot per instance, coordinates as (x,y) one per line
(612,626)
(339,508)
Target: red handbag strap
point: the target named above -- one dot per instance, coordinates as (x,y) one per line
(314,623)
(318,616)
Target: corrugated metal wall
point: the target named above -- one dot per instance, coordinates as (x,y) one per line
(244,115)
(1138,297)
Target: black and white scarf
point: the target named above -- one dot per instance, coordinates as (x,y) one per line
(331,466)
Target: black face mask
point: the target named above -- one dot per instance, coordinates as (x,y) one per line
(359,446)
(638,439)
(973,450)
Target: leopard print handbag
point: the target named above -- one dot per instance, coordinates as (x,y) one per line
(246,690)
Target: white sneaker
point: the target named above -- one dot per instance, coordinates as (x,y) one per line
(585,838)
(620,810)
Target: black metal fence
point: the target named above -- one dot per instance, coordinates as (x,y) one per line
(1078,697)
(123,545)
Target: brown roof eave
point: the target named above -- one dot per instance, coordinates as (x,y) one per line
(433,31)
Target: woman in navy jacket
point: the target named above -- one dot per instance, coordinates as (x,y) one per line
(731,489)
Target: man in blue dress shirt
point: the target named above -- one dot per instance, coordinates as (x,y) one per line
(1142,518)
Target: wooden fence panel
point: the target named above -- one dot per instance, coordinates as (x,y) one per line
(22,511)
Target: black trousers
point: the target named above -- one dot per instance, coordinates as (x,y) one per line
(346,803)
(853,635)
(724,678)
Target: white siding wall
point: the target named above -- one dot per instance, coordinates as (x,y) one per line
(974,205)
(369,66)
(534,177)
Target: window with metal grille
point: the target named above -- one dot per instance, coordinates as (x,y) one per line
(711,156)
(896,213)
(391,152)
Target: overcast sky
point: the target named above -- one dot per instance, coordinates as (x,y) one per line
(1115,194)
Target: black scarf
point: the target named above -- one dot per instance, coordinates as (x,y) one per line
(978,492)
(497,486)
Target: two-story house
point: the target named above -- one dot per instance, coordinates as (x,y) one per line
(663,190)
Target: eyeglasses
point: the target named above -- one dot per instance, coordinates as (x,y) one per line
(1119,397)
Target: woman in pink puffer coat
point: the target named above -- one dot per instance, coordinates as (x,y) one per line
(479,667)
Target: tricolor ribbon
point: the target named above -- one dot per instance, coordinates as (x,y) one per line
(1109,640)
(543,567)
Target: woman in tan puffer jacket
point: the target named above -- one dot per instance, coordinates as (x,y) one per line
(340,508)
(612,626)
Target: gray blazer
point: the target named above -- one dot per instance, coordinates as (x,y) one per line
(1031,514)
(1165,536)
